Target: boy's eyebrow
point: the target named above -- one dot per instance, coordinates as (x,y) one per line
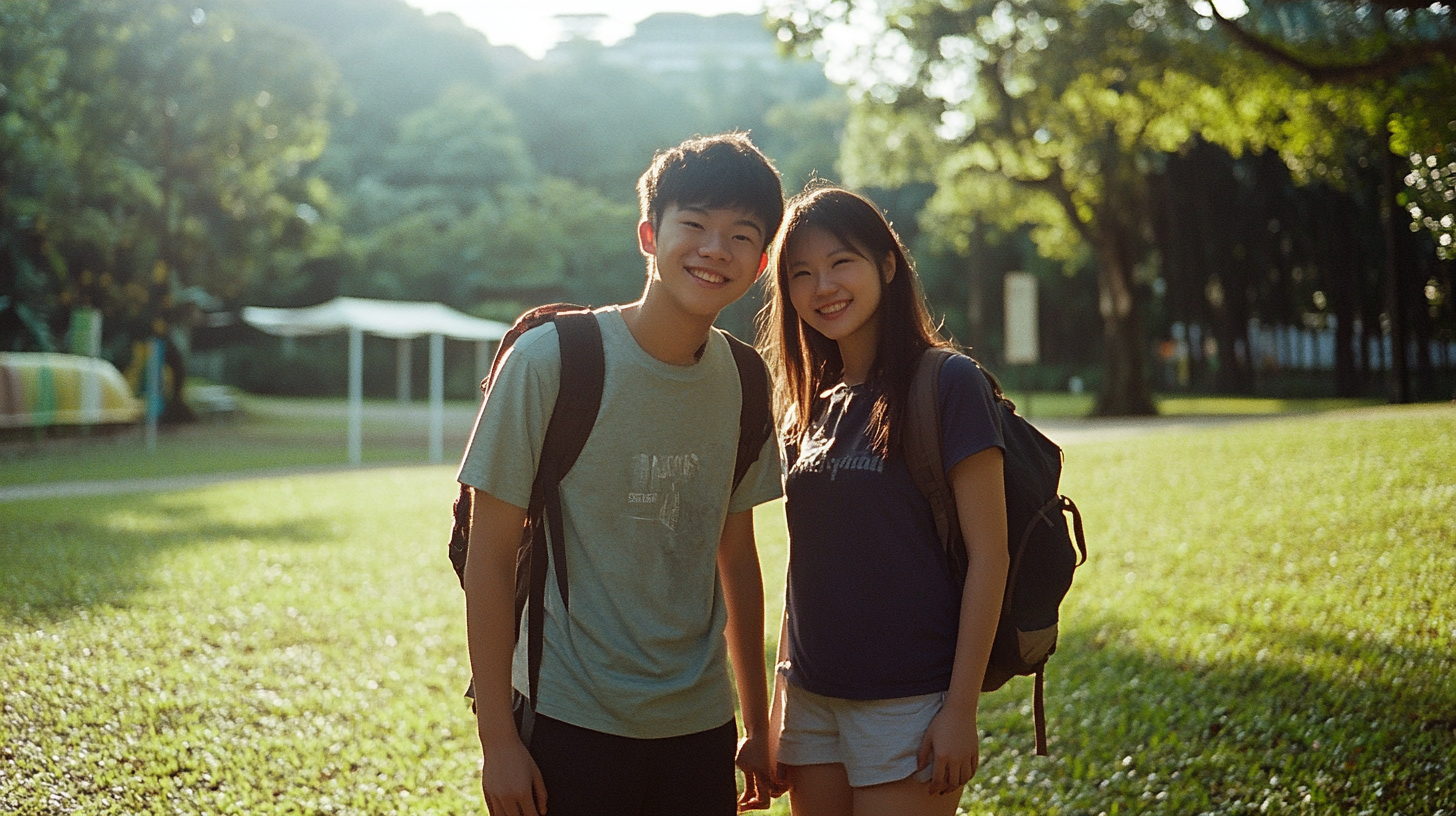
(703,210)
(748,222)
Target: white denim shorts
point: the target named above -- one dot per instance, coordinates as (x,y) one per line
(875,740)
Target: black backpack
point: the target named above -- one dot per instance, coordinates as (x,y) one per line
(583,373)
(1044,552)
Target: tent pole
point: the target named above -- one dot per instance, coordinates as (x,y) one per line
(402,360)
(437,398)
(356,395)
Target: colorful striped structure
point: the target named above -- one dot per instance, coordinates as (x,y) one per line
(38,390)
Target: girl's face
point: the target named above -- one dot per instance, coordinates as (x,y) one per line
(834,287)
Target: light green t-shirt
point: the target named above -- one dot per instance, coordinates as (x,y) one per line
(642,652)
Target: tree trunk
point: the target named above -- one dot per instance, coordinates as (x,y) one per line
(175,409)
(1420,263)
(975,289)
(1124,386)
(1341,262)
(1397,376)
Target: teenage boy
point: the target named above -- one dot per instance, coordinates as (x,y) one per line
(635,711)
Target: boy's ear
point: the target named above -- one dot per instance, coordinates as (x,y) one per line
(646,238)
(762,264)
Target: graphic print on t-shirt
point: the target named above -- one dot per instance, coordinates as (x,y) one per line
(657,479)
(853,451)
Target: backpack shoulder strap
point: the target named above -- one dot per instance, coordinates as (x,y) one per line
(578,398)
(921,438)
(755,413)
(460,530)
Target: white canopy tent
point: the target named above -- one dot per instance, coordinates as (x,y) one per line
(401,320)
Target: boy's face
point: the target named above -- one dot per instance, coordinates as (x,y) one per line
(705,258)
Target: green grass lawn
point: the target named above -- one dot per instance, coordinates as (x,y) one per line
(269,433)
(1267,624)
(281,432)
(1064,405)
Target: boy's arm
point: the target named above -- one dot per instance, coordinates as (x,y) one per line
(743,595)
(509,777)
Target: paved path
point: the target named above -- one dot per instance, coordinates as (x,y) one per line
(1062,431)
(1072,431)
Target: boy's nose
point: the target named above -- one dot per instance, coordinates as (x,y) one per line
(714,245)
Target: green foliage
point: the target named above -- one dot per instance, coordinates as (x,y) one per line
(1377,70)
(1050,115)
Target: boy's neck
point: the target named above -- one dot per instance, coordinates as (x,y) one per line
(666,334)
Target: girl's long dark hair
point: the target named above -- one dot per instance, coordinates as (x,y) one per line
(806,362)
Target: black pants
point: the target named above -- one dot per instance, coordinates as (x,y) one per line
(589,773)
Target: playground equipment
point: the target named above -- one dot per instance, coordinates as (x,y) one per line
(41,389)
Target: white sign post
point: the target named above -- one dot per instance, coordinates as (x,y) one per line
(1023,346)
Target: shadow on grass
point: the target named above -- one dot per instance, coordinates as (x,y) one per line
(102,551)
(1327,724)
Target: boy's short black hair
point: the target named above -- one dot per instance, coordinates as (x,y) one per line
(722,171)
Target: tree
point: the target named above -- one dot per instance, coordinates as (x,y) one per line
(34,158)
(1046,113)
(1395,59)
(162,165)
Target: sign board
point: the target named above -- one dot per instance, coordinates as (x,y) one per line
(1022,344)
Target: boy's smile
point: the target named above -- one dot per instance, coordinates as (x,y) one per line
(704,258)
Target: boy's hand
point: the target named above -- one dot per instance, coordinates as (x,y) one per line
(758,777)
(511,781)
(953,745)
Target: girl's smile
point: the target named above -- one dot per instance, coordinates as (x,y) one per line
(836,290)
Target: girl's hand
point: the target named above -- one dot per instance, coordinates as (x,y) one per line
(758,785)
(953,745)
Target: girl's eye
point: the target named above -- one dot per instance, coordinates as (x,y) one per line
(798,273)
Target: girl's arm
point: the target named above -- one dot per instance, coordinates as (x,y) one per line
(952,739)
(779,784)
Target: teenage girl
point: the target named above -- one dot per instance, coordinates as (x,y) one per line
(883,648)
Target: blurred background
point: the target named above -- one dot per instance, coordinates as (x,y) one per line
(1211,198)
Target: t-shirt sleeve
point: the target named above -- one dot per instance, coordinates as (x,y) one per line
(505,446)
(763,482)
(967,411)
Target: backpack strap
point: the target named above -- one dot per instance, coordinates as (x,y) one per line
(921,436)
(755,412)
(1038,709)
(578,399)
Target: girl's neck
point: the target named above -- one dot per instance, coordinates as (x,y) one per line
(857,354)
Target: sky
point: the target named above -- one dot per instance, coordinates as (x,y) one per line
(529,24)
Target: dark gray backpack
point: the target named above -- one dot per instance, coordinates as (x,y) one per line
(1044,550)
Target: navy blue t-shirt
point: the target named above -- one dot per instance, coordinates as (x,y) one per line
(874,610)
